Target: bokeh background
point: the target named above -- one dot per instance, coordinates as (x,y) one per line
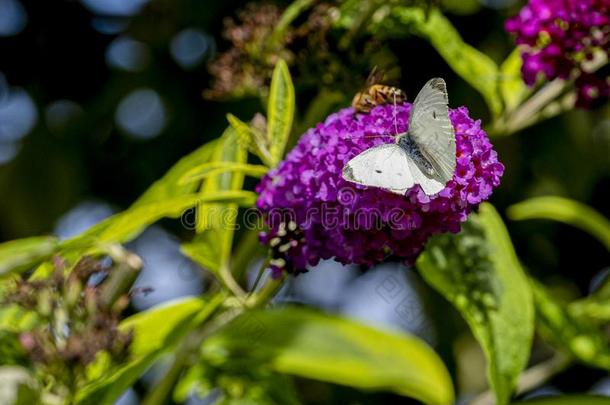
(98,98)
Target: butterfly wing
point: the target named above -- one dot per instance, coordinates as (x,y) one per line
(391,167)
(429,184)
(431,129)
(384,166)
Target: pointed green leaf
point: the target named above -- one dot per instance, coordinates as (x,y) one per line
(564,210)
(280,111)
(203,249)
(127,225)
(213,168)
(309,344)
(211,247)
(512,87)
(22,254)
(251,139)
(478,271)
(228,149)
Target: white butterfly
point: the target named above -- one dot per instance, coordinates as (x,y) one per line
(424,155)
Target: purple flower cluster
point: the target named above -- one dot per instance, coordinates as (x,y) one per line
(313,213)
(558,36)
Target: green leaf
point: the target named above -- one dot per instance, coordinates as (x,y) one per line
(22,254)
(212,168)
(280,111)
(204,249)
(573,334)
(512,87)
(211,247)
(476,68)
(251,139)
(129,224)
(18,386)
(478,272)
(229,150)
(155,331)
(564,210)
(566,400)
(309,344)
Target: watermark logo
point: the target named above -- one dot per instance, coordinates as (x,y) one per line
(332,215)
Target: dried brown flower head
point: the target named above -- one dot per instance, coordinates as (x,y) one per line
(74,322)
(257,41)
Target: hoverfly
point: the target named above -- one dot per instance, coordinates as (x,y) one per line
(375,94)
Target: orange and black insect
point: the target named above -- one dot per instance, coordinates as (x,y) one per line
(375,94)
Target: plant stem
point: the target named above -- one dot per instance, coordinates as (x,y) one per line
(259,276)
(531,378)
(541,106)
(228,280)
(267,292)
(565,103)
(541,98)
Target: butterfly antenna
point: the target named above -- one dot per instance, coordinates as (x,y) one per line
(395,119)
(373,136)
(379,136)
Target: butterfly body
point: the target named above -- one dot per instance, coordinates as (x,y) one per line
(411,148)
(423,156)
